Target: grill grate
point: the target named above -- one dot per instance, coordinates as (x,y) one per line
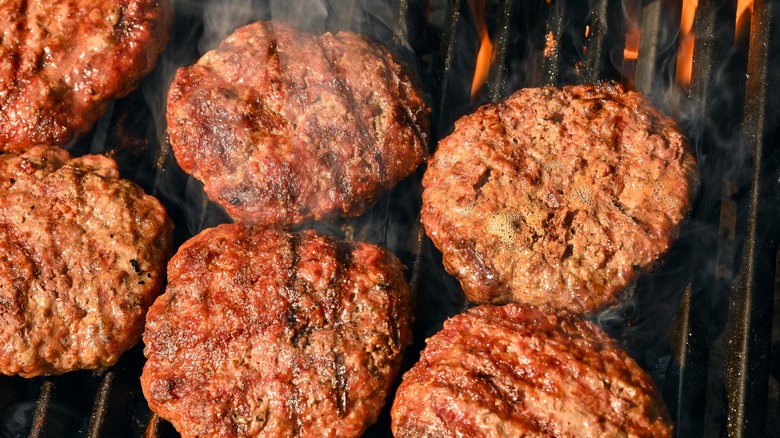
(703,333)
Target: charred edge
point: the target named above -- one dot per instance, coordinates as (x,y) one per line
(120,28)
(272,54)
(16,58)
(344,258)
(397,79)
(631,218)
(292,322)
(349,97)
(392,322)
(487,277)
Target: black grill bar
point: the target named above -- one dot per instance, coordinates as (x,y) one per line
(750,306)
(39,419)
(660,22)
(686,385)
(447,56)
(556,27)
(596,55)
(497,74)
(100,409)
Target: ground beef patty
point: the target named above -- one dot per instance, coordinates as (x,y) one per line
(82,257)
(262,332)
(61,61)
(517,371)
(284,126)
(557,196)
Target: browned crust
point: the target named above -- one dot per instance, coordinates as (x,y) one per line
(558,196)
(283,126)
(262,332)
(516,371)
(82,257)
(62,61)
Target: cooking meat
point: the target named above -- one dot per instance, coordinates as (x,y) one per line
(283,126)
(558,196)
(263,332)
(517,370)
(62,61)
(82,256)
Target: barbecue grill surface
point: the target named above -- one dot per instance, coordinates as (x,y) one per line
(700,325)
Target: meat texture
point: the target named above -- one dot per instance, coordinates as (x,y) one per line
(517,371)
(283,126)
(558,197)
(82,257)
(263,332)
(62,61)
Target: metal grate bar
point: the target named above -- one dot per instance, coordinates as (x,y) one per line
(100,408)
(497,74)
(660,23)
(447,55)
(595,57)
(689,375)
(556,21)
(41,407)
(750,306)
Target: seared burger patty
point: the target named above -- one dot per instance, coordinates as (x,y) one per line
(262,332)
(61,61)
(557,196)
(517,371)
(283,126)
(82,257)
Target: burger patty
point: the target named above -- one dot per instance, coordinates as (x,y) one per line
(283,126)
(517,371)
(82,257)
(61,61)
(263,332)
(558,196)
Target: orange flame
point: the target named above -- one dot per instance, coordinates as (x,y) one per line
(485,54)
(743,7)
(632,42)
(687,41)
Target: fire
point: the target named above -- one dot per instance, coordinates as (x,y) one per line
(743,18)
(485,54)
(687,40)
(632,42)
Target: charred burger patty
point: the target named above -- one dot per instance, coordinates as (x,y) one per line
(263,332)
(61,61)
(283,126)
(517,370)
(82,257)
(557,196)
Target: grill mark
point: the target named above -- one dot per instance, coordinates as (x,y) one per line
(346,91)
(327,157)
(16,61)
(292,322)
(285,192)
(344,259)
(392,78)
(341,384)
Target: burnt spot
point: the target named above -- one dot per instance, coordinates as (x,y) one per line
(136,266)
(483,179)
(340,376)
(481,272)
(568,251)
(555,117)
